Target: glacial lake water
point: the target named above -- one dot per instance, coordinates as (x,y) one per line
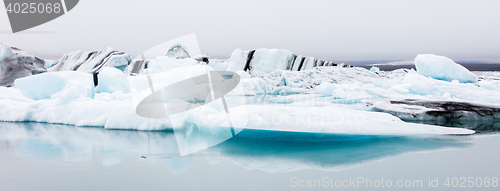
(39,156)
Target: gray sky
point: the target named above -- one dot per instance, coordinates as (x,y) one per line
(334,30)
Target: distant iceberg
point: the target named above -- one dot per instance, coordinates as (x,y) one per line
(91,61)
(443,68)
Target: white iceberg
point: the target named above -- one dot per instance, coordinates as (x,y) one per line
(237,61)
(263,61)
(308,63)
(443,68)
(268,60)
(44,86)
(164,63)
(112,80)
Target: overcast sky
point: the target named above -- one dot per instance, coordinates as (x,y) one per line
(333,30)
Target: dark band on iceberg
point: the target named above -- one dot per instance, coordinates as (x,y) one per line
(249,59)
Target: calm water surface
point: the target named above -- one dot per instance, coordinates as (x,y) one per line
(38,156)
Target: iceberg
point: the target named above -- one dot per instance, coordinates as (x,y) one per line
(119,113)
(178,51)
(182,47)
(308,63)
(16,63)
(375,69)
(103,89)
(164,63)
(267,60)
(336,120)
(61,103)
(443,68)
(263,61)
(112,80)
(237,61)
(296,65)
(91,61)
(50,84)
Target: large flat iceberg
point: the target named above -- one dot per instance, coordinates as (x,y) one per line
(337,120)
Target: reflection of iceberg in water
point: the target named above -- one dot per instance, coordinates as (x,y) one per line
(69,143)
(285,156)
(480,126)
(74,145)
